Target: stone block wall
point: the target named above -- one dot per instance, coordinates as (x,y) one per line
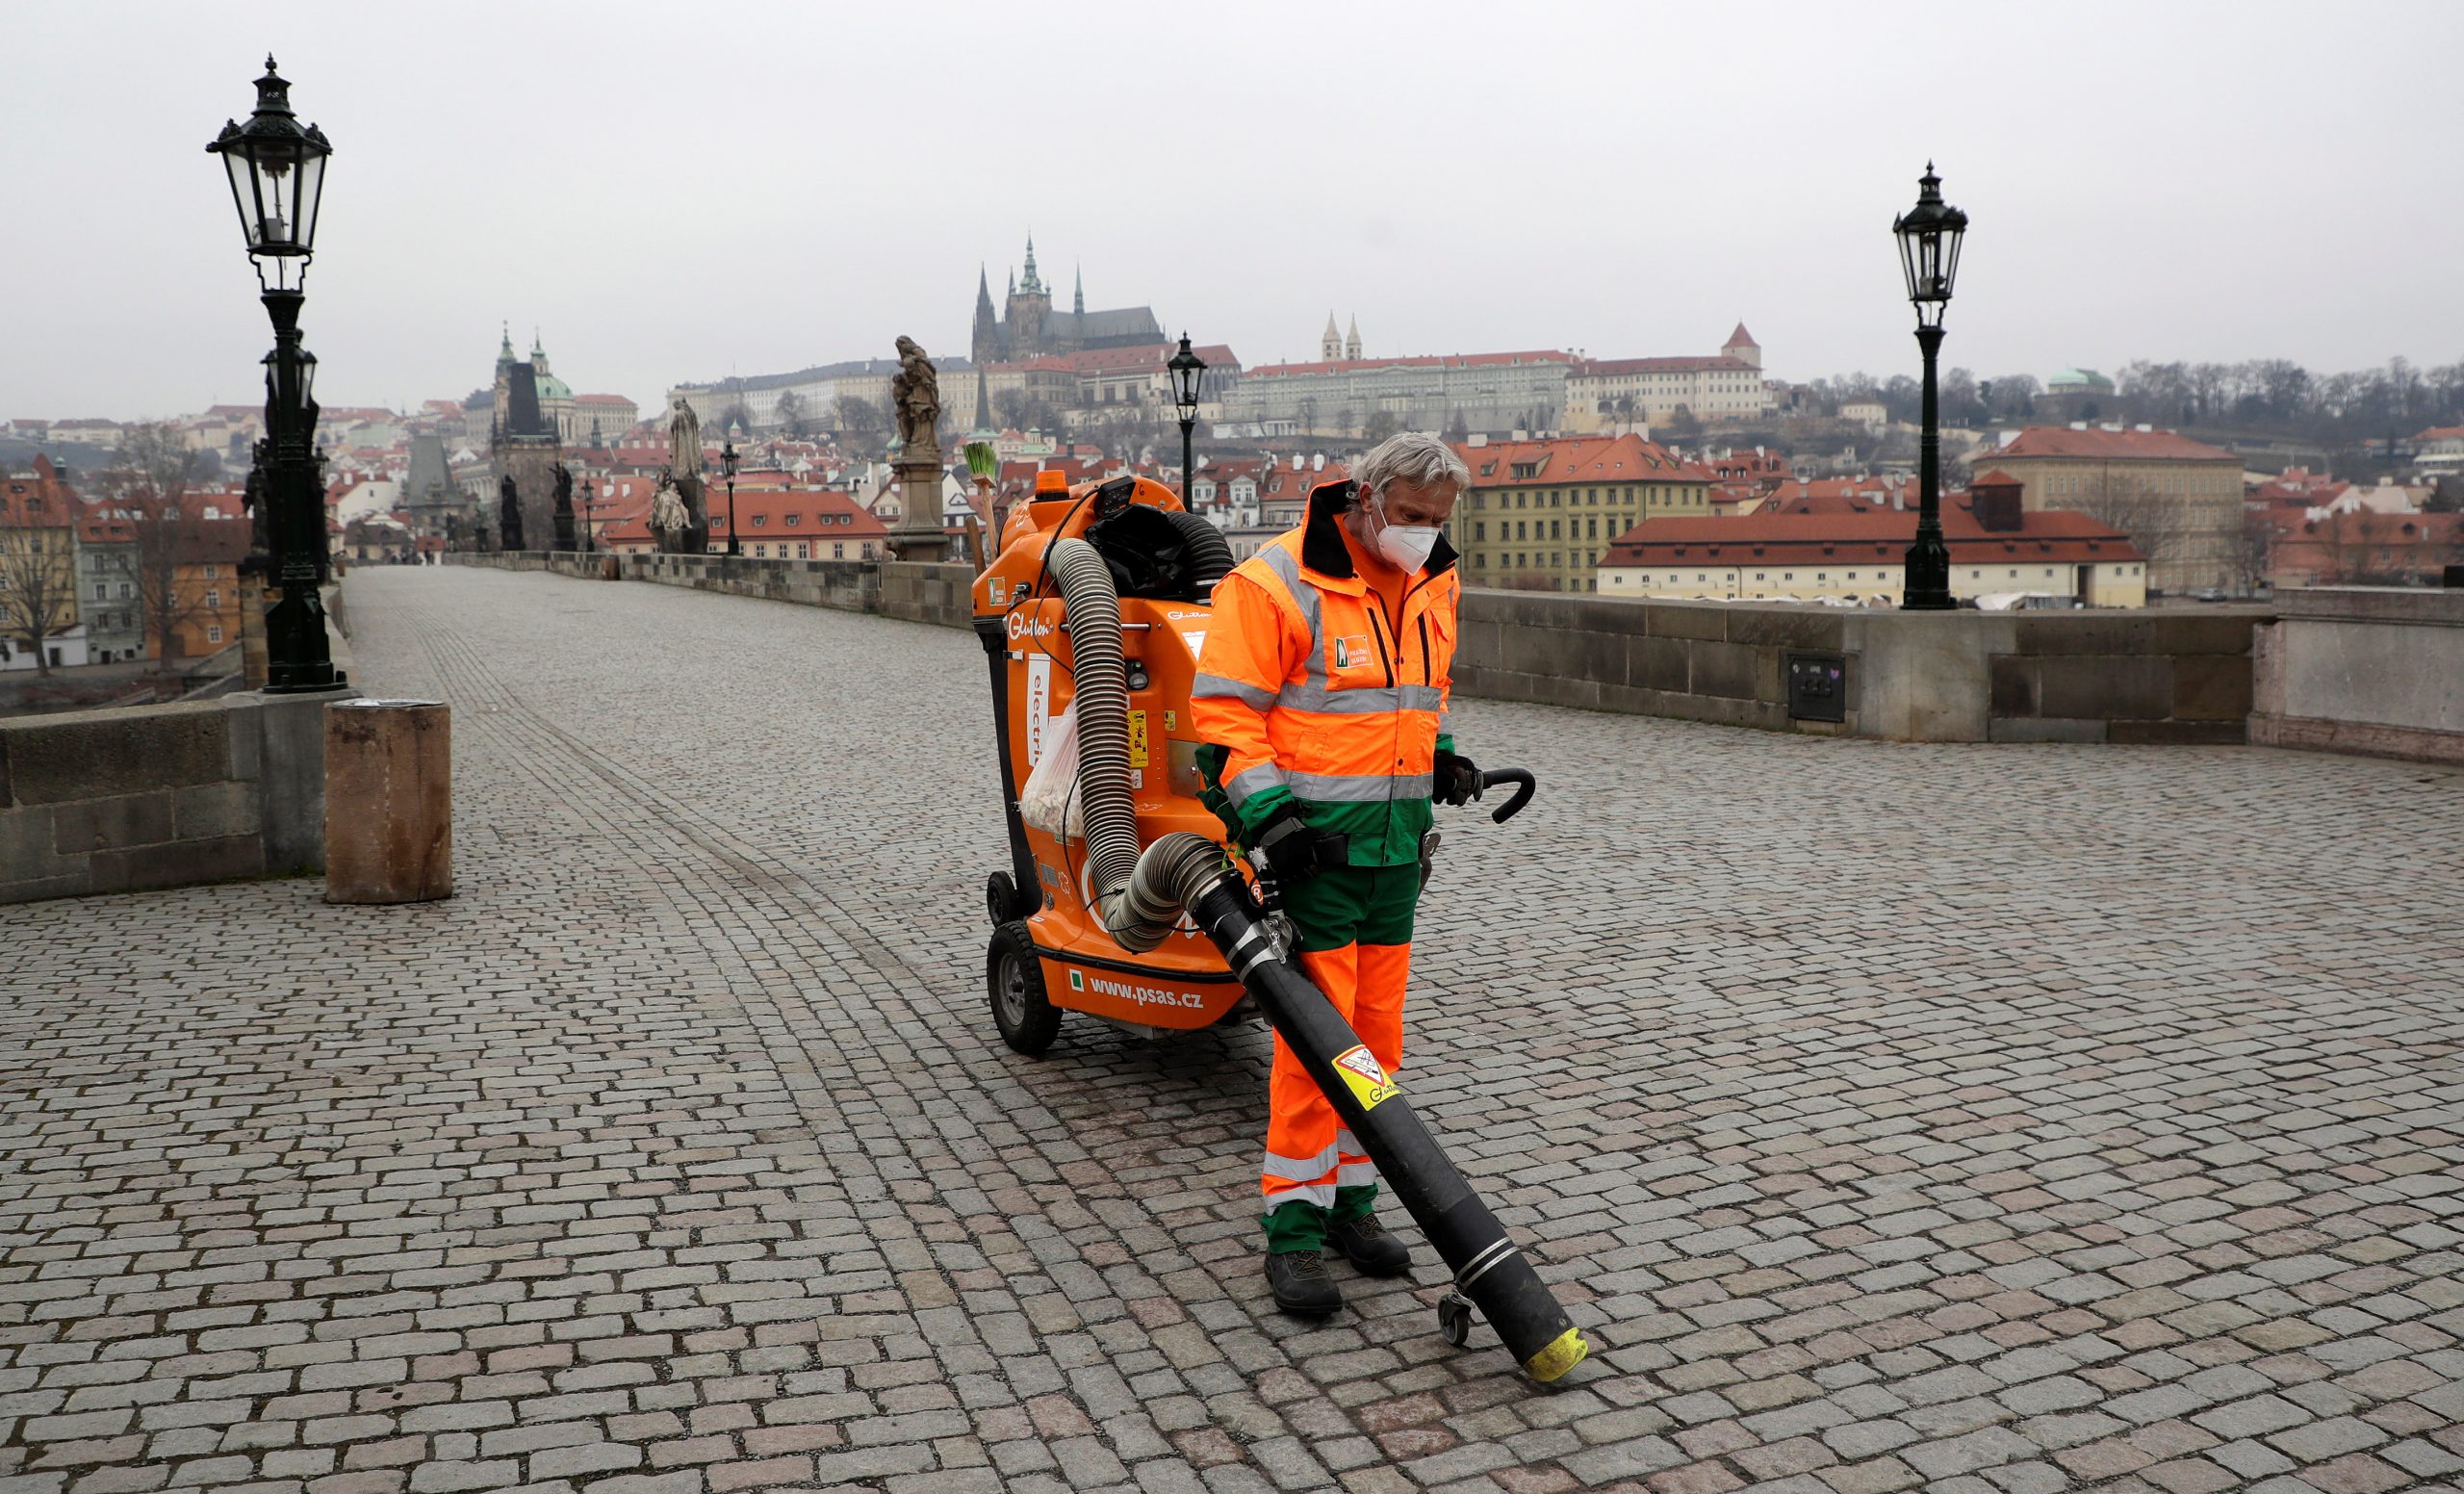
(1959,676)
(915,591)
(2164,676)
(2364,669)
(2160,676)
(157,796)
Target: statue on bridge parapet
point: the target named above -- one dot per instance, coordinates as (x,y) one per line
(508,514)
(683,439)
(916,391)
(684,471)
(564,506)
(670,519)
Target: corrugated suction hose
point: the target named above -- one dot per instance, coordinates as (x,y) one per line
(1101,688)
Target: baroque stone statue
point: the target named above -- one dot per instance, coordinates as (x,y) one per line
(508,514)
(684,438)
(917,391)
(563,517)
(669,517)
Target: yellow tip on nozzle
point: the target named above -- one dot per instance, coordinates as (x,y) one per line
(1562,1355)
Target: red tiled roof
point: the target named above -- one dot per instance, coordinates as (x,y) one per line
(2129,445)
(1741,338)
(762,514)
(2441,433)
(1474,360)
(1626,458)
(1596,368)
(1291,484)
(2052,536)
(1096,360)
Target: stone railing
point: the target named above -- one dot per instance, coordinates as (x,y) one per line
(2171,675)
(913,590)
(2364,669)
(2159,676)
(158,796)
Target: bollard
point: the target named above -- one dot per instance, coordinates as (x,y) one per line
(389,801)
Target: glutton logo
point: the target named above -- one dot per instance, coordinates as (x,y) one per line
(1130,990)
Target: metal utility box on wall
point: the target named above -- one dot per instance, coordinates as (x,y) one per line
(1817,687)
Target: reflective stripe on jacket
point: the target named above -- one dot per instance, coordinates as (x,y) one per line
(1308,692)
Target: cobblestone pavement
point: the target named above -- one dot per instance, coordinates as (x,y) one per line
(1987,1119)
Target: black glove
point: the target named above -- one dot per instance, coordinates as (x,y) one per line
(1293,850)
(1457,780)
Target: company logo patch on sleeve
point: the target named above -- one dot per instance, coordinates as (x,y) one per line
(1363,1075)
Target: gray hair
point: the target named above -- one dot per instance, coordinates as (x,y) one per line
(1416,457)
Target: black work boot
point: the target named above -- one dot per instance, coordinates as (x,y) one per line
(1300,1283)
(1365,1242)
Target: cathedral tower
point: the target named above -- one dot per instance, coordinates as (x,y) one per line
(1030,306)
(985,345)
(1330,346)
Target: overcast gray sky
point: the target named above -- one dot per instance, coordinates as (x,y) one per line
(675,192)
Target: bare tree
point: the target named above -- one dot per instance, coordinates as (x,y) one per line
(1019,409)
(2163,525)
(37,567)
(861,421)
(793,423)
(1380,425)
(2254,555)
(148,482)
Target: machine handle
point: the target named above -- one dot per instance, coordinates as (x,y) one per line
(1523,789)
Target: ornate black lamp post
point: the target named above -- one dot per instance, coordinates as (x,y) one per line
(277,171)
(1188,371)
(727,465)
(588,543)
(1929,255)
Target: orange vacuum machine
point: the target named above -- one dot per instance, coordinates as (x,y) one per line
(1121,901)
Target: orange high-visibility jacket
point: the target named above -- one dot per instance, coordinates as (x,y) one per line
(1306,690)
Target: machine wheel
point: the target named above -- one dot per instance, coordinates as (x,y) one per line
(1001,898)
(1028,1022)
(1454,1317)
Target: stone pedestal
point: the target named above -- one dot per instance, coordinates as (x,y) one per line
(919,536)
(389,801)
(696,540)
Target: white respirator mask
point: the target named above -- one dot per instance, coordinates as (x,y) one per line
(1405,546)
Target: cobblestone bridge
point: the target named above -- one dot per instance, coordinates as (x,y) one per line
(1978,1120)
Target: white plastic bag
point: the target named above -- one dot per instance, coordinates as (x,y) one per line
(1050,801)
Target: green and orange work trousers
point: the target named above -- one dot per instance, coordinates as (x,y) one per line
(1355,926)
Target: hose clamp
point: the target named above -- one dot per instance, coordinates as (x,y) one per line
(1479,1265)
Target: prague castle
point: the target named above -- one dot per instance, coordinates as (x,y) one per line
(1030,328)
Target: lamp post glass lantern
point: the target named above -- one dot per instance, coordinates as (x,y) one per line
(276,170)
(1189,372)
(1928,258)
(588,542)
(727,465)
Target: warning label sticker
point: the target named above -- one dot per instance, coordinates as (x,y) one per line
(1365,1078)
(1137,738)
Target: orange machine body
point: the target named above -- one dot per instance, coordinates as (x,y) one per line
(1184,983)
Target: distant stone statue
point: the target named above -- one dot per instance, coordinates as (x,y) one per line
(916,392)
(684,438)
(252,497)
(669,517)
(508,514)
(564,517)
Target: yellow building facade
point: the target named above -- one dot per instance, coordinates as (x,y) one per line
(1542,514)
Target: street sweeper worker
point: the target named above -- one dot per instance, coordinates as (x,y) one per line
(1322,696)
